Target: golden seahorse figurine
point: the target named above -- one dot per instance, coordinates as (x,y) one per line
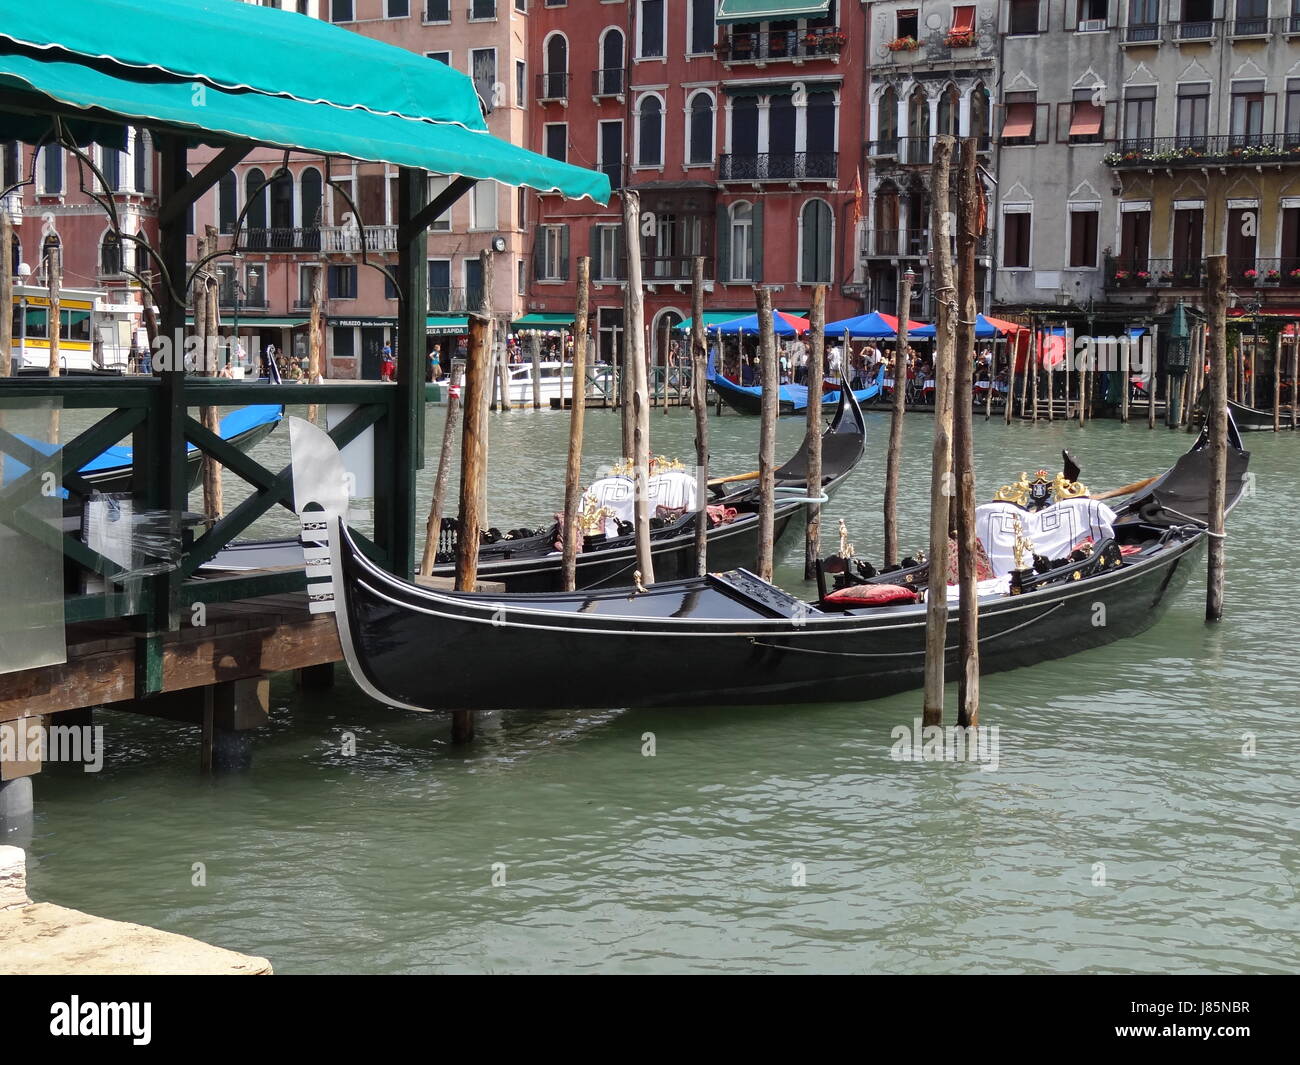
(846,548)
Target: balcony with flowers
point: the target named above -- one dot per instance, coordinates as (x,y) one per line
(1241,149)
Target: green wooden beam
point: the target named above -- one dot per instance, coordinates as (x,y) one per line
(228,455)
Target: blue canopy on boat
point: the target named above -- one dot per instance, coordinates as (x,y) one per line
(984,330)
(871,326)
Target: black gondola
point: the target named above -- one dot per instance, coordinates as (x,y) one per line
(730,638)
(531,564)
(1247,419)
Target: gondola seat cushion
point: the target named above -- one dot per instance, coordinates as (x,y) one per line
(871,595)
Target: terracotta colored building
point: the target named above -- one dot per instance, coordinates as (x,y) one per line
(739,123)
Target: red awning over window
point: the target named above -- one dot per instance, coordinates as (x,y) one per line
(963,19)
(1086,120)
(1020,121)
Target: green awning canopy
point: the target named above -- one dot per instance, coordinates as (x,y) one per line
(770,10)
(712,318)
(284,123)
(539,320)
(234,46)
(438,325)
(218,72)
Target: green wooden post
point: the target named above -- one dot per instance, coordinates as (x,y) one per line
(160,477)
(407,432)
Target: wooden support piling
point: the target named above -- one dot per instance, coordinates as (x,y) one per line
(570,532)
(433,526)
(54,281)
(941,487)
(6,294)
(1036,342)
(969,201)
(206,317)
(813,529)
(640,409)
(1013,345)
(535,358)
(894,453)
(1295,374)
(315,337)
(1217,420)
(767,430)
(699,401)
(1277,381)
(1153,378)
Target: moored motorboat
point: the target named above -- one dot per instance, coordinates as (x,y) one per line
(729,638)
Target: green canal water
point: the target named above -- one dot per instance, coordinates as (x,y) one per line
(753,840)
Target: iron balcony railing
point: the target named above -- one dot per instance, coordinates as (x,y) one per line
(1264,273)
(771,166)
(1135,271)
(671,267)
(283,238)
(914,151)
(1243,148)
(1142,33)
(909,244)
(553,85)
(892,243)
(455,299)
(609,81)
(769,45)
(1234,26)
(346,239)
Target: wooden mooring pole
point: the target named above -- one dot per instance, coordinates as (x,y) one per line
(969,199)
(1277,381)
(700,402)
(1217,305)
(767,430)
(894,453)
(640,407)
(473,469)
(813,529)
(433,526)
(570,531)
(534,358)
(206,317)
(54,280)
(941,478)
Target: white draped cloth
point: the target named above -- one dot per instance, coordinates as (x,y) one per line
(1054,530)
(673,489)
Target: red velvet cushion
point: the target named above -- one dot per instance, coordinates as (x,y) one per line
(872,595)
(983,567)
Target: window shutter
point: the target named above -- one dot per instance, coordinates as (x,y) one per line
(597,267)
(758,242)
(564,253)
(722,265)
(1044,10)
(539,254)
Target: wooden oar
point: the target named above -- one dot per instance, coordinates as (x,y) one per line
(1128,489)
(733,477)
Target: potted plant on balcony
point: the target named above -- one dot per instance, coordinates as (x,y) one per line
(833,42)
(960,39)
(1271,277)
(903,44)
(1142,277)
(1164,279)
(1121,277)
(1294,275)
(1250,274)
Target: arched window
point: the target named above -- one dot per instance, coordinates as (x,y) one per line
(949,112)
(650,128)
(979,114)
(311,198)
(887,122)
(609,80)
(815,243)
(918,127)
(282,201)
(110,255)
(227,203)
(885,220)
(742,241)
(699,148)
(255,199)
(556,77)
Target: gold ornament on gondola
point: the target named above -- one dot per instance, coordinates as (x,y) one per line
(1020,491)
(592,516)
(625,467)
(1021,545)
(846,548)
